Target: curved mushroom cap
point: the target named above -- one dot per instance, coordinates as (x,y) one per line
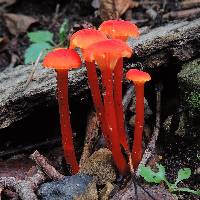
(107,52)
(85,38)
(137,76)
(119,29)
(62,58)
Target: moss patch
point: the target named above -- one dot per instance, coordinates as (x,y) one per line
(189,83)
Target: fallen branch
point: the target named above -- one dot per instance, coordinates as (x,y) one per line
(42,162)
(150,150)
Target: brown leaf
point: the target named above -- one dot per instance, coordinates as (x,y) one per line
(113,9)
(17,23)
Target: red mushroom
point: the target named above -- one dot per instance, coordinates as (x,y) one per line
(139,78)
(106,54)
(83,39)
(119,29)
(63,60)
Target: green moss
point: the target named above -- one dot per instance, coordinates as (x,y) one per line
(194,100)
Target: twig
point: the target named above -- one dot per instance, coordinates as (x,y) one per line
(92,136)
(150,150)
(24,188)
(42,162)
(30,78)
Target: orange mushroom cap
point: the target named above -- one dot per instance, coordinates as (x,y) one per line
(119,29)
(107,52)
(137,76)
(62,58)
(85,38)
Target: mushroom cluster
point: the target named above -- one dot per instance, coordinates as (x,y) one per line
(104,48)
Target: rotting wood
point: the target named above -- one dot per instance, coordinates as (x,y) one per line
(159,47)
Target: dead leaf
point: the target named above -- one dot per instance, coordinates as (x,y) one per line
(6,3)
(113,9)
(17,23)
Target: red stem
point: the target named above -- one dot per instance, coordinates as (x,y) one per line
(118,78)
(66,130)
(112,121)
(97,100)
(139,122)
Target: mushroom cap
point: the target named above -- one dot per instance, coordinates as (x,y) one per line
(119,29)
(137,76)
(106,53)
(85,38)
(62,58)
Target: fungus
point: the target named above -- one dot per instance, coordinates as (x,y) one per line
(139,78)
(83,39)
(62,60)
(106,54)
(119,29)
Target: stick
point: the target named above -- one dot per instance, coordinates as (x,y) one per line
(42,162)
(150,150)
(92,137)
(30,78)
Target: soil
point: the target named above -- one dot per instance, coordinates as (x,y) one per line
(176,152)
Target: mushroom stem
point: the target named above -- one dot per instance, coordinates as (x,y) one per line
(66,130)
(112,121)
(118,78)
(97,100)
(139,122)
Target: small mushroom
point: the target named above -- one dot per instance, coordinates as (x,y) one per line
(139,78)
(62,60)
(119,29)
(106,54)
(82,39)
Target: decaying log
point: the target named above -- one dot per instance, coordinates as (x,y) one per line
(161,46)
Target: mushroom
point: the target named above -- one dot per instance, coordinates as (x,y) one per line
(139,78)
(106,54)
(62,60)
(119,29)
(82,39)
